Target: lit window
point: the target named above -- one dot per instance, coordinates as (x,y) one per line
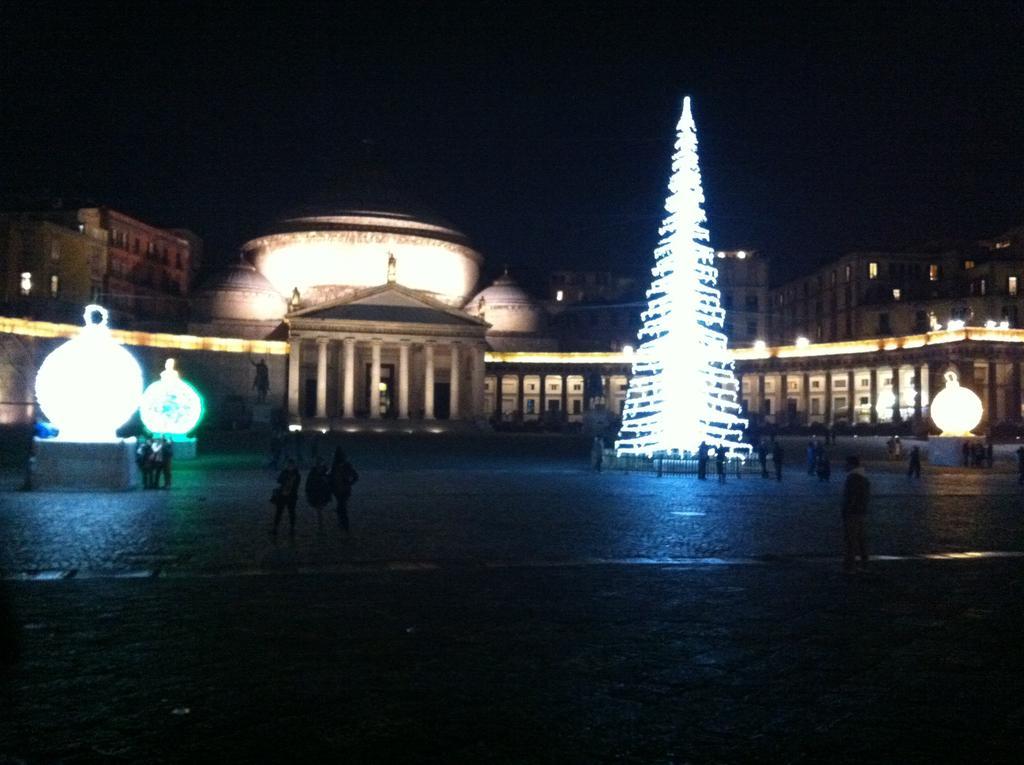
(802,342)
(1011,286)
(968,265)
(981,286)
(559,295)
(54,285)
(872,270)
(741,254)
(896,293)
(1002,245)
(26,282)
(933,272)
(848,272)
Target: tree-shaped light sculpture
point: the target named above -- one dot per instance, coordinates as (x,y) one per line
(683,390)
(89,386)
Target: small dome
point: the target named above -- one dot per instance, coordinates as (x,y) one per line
(238,292)
(507,307)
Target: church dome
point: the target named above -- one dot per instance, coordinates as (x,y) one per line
(238,292)
(507,308)
(330,255)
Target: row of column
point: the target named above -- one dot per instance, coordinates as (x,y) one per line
(348,378)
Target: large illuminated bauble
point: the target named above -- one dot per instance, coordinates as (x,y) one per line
(170,405)
(956,410)
(89,386)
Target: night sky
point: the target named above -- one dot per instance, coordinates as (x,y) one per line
(544,134)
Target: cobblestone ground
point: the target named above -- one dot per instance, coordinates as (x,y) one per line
(497,602)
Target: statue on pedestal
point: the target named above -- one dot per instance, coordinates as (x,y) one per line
(261,382)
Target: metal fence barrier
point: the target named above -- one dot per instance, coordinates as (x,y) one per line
(668,465)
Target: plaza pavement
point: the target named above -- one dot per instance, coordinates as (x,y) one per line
(497,602)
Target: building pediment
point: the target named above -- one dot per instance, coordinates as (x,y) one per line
(387,304)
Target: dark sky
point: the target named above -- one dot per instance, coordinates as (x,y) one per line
(545,134)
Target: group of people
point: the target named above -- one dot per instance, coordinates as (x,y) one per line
(322,484)
(818,461)
(778,455)
(977,454)
(154,456)
(702,462)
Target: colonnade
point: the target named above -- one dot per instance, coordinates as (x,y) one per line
(462,359)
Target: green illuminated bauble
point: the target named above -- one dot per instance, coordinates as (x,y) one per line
(170,405)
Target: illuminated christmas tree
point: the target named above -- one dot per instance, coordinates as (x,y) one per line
(683,390)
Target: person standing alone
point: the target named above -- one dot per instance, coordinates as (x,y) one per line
(778,455)
(286,495)
(342,477)
(914,469)
(856,494)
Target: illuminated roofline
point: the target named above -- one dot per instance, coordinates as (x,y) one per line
(29,328)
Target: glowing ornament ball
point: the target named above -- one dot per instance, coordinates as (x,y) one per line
(170,405)
(89,386)
(956,410)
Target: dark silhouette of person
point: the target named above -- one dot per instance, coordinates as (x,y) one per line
(165,465)
(597,453)
(778,455)
(989,455)
(156,462)
(914,466)
(342,477)
(856,494)
(823,465)
(720,463)
(762,457)
(318,490)
(286,495)
(702,461)
(1020,465)
(144,459)
(261,381)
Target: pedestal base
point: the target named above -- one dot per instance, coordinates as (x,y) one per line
(184,448)
(85,465)
(948,451)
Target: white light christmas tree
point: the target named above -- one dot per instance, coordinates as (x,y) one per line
(683,390)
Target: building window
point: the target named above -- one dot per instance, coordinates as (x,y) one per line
(1011,286)
(577,406)
(896,293)
(815,406)
(816,384)
(840,402)
(872,270)
(577,387)
(981,286)
(839,383)
(1002,245)
(54,285)
(559,295)
(968,265)
(530,406)
(933,272)
(865,401)
(794,385)
(26,282)
(849,273)
(865,382)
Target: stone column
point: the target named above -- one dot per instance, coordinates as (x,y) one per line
(294,370)
(521,395)
(453,384)
(993,395)
(851,398)
(828,397)
(321,378)
(805,396)
(782,413)
(924,391)
(375,379)
(478,373)
(897,415)
(565,397)
(543,396)
(428,381)
(348,394)
(403,380)
(760,396)
(873,397)
(1014,406)
(918,397)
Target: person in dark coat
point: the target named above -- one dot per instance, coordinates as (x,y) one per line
(914,468)
(702,461)
(720,463)
(823,465)
(165,465)
(143,458)
(318,490)
(597,453)
(856,495)
(286,495)
(762,457)
(342,478)
(778,455)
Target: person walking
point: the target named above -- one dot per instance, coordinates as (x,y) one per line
(856,494)
(778,454)
(720,463)
(596,453)
(165,465)
(762,457)
(286,495)
(702,461)
(318,490)
(914,468)
(342,478)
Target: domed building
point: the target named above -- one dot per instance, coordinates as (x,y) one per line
(517,321)
(237,301)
